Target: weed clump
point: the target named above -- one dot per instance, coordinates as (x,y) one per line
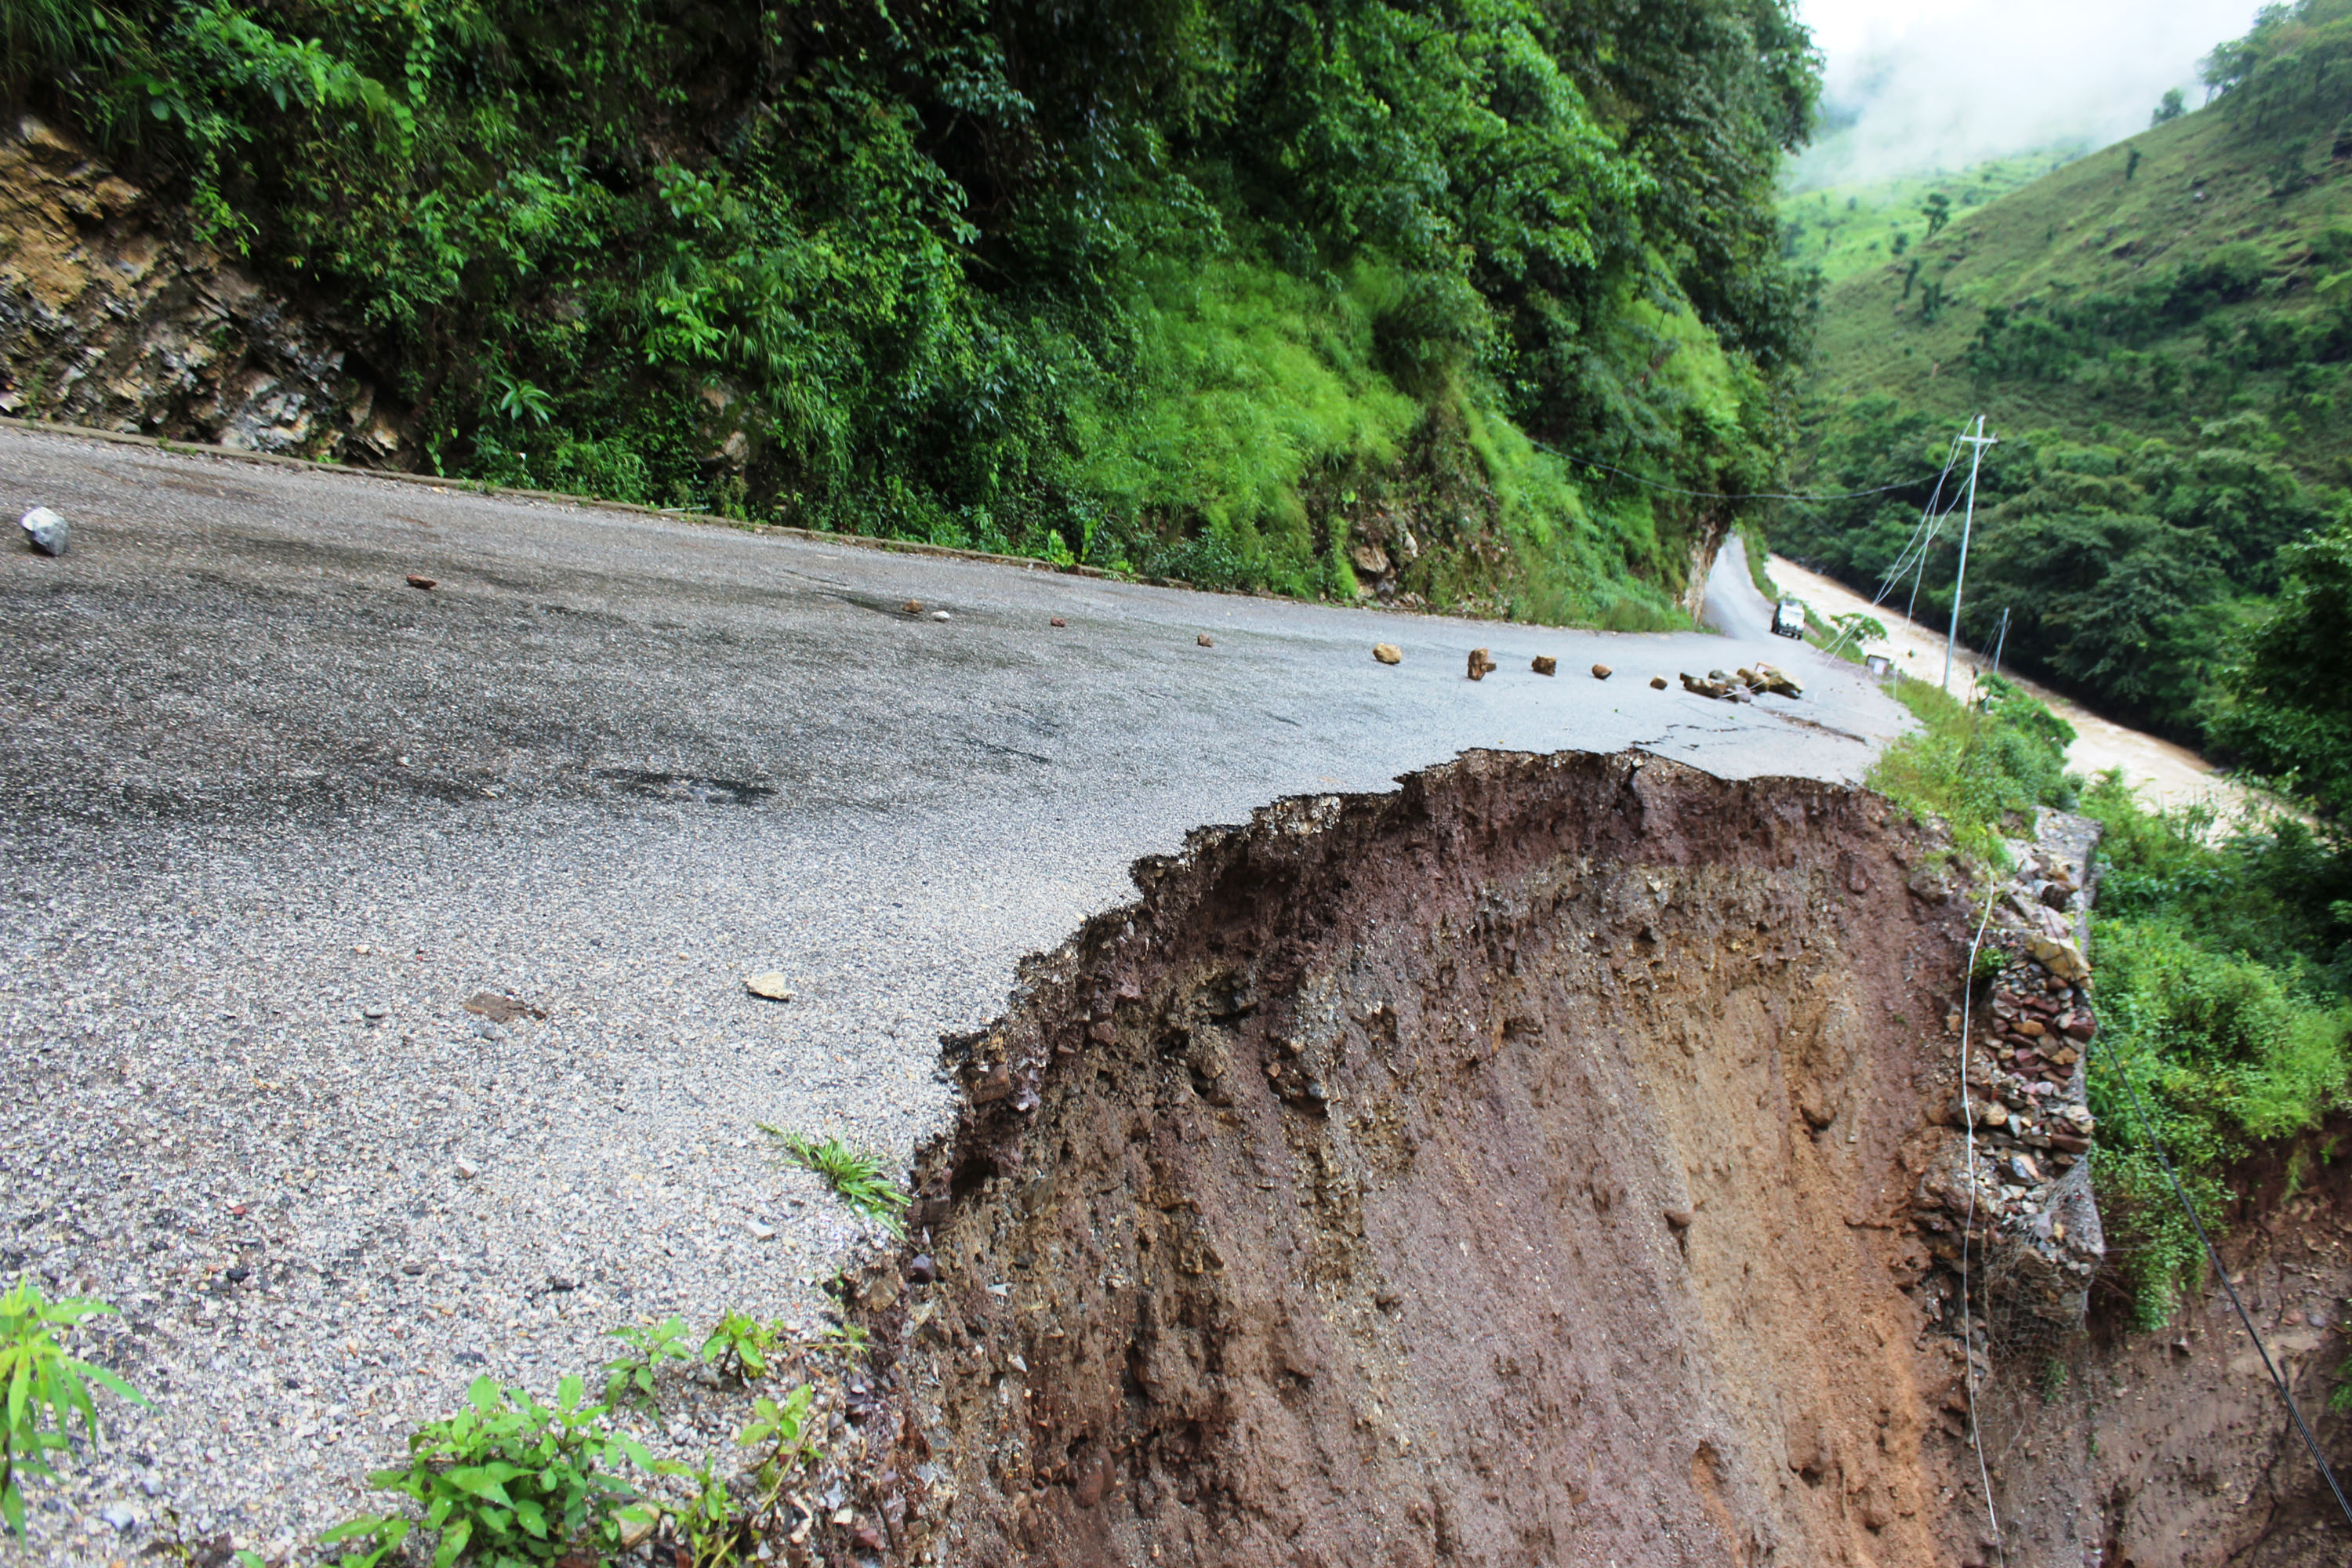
(42,1389)
(861,1180)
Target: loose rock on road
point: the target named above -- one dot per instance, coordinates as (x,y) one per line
(280,820)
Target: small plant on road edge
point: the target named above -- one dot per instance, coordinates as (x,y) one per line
(630,1376)
(738,1346)
(511,1482)
(42,1388)
(862,1180)
(712,1529)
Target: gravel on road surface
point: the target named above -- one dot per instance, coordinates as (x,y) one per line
(276,816)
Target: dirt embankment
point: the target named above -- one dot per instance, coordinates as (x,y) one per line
(1513,1169)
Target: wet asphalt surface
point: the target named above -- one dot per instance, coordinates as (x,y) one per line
(273,816)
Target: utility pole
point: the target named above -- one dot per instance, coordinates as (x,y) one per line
(2001,642)
(1979,441)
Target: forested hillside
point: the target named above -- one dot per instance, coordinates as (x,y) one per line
(2161,334)
(1249,294)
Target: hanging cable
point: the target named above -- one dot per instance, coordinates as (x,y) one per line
(1922,537)
(2147,1131)
(1968,1226)
(1714,495)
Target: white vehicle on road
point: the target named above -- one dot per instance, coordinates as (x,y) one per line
(1788,619)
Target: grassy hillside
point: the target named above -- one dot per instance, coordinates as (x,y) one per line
(1288,297)
(1840,230)
(2154,285)
(2161,334)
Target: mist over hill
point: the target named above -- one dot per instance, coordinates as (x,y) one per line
(1934,92)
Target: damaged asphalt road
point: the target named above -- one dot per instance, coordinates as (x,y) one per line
(276,815)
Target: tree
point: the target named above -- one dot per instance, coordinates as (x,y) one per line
(2293,681)
(2172,106)
(1939,208)
(2131,164)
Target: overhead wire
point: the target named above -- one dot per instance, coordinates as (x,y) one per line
(1923,537)
(1967,1230)
(1719,495)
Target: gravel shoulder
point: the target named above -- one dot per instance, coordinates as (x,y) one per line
(275,816)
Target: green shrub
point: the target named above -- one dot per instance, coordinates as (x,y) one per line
(509,1482)
(1982,768)
(2221,988)
(1101,284)
(2225,1054)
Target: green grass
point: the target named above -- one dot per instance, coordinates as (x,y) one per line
(1982,769)
(44,1389)
(1854,227)
(1258,408)
(861,1181)
(1749,539)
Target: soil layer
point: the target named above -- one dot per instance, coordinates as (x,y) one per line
(1512,1169)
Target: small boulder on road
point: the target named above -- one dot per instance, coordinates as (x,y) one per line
(45,531)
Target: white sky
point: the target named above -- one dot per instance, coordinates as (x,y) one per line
(1969,79)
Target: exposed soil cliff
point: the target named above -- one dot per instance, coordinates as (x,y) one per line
(1514,1169)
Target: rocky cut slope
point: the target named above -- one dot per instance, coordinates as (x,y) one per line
(1517,1168)
(111,317)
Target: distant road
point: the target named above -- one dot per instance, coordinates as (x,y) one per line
(2165,773)
(275,816)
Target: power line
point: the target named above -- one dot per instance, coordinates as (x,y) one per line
(1978,442)
(1967,1230)
(1717,495)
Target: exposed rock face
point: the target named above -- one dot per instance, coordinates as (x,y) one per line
(108,318)
(1514,1169)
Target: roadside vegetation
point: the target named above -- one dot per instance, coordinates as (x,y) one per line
(2222,951)
(1308,299)
(511,1482)
(861,1181)
(508,1480)
(44,1390)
